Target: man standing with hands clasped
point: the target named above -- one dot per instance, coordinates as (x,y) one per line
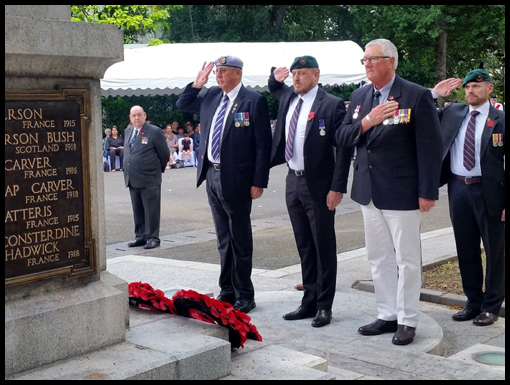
(394,125)
(474,168)
(144,162)
(234,160)
(304,137)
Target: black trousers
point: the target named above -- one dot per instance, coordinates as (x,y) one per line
(146,204)
(234,237)
(472,222)
(314,230)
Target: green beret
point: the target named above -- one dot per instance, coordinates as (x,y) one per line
(476,76)
(304,62)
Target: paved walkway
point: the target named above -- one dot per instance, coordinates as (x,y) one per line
(441,348)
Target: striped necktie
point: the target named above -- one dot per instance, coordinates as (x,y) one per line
(469,143)
(289,146)
(218,126)
(133,139)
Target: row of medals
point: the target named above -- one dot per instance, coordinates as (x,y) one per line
(240,121)
(394,120)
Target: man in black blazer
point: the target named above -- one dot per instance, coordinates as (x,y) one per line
(304,137)
(396,178)
(234,160)
(146,155)
(476,192)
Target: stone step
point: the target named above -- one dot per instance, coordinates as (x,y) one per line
(158,347)
(273,362)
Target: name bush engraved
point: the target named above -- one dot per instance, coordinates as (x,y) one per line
(44,218)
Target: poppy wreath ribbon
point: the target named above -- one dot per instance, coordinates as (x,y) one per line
(189,303)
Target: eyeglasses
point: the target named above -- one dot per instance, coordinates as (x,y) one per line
(373,59)
(221,71)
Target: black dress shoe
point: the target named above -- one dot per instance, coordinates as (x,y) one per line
(151,244)
(322,318)
(404,335)
(300,313)
(225,298)
(465,315)
(137,242)
(244,305)
(485,319)
(377,327)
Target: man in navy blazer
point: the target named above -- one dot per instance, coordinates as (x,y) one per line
(146,155)
(394,125)
(476,192)
(316,181)
(234,160)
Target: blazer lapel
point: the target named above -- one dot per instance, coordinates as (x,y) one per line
(235,108)
(315,107)
(488,130)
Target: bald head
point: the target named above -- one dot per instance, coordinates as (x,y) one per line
(137,116)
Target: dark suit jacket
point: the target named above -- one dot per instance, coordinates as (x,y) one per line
(326,165)
(245,150)
(492,158)
(145,163)
(395,164)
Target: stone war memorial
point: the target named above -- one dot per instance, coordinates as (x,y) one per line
(66,316)
(59,300)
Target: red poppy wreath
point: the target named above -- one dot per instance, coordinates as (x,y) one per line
(189,303)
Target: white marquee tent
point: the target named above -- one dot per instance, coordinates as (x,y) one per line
(166,69)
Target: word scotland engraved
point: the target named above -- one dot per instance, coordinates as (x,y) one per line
(47,189)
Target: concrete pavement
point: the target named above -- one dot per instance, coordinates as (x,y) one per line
(188,259)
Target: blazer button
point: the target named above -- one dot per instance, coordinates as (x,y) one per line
(369,151)
(370,166)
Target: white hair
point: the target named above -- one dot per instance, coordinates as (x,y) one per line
(388,49)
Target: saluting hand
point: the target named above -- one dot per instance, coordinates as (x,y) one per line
(445,87)
(203,76)
(281,73)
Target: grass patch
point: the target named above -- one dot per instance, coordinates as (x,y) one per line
(446,277)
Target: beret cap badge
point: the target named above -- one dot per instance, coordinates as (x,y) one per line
(478,75)
(223,60)
(304,62)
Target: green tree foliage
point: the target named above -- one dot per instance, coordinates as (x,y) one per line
(434,41)
(160,110)
(135,20)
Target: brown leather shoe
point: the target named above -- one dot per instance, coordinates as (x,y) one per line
(299,287)
(404,335)
(465,315)
(485,319)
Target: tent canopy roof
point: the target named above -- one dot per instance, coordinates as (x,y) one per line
(167,69)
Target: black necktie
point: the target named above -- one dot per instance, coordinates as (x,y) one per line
(377,95)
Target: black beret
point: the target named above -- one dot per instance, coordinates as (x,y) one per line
(304,62)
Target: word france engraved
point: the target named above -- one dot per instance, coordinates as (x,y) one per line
(47,188)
